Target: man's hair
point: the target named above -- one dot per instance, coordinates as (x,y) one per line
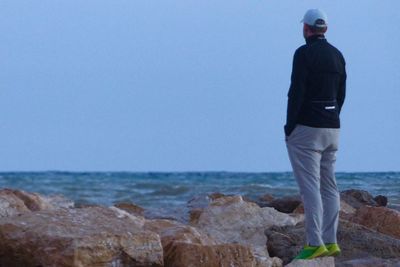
(319,27)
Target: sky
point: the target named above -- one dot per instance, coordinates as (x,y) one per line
(184,85)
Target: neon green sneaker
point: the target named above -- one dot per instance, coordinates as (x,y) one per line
(310,252)
(333,249)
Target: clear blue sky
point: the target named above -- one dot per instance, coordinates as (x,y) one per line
(184,85)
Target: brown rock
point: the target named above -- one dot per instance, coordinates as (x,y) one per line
(357,198)
(186,246)
(266,198)
(180,254)
(369,262)
(285,204)
(381,201)
(13,202)
(381,219)
(215,195)
(318,262)
(356,241)
(230,219)
(10,204)
(130,208)
(95,236)
(346,211)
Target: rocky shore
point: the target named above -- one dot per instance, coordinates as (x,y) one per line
(220,230)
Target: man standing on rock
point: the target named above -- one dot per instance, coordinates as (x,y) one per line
(315,99)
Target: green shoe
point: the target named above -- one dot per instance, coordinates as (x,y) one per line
(310,252)
(333,249)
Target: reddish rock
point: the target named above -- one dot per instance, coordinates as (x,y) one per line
(356,241)
(230,219)
(381,201)
(357,198)
(381,219)
(285,204)
(186,246)
(180,254)
(130,208)
(318,262)
(346,211)
(95,236)
(370,262)
(13,202)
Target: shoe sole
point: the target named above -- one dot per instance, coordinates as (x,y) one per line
(332,254)
(322,254)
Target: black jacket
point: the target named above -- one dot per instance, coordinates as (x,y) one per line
(318,85)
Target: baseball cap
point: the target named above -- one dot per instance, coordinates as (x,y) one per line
(315,17)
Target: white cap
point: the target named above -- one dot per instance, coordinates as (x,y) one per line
(315,17)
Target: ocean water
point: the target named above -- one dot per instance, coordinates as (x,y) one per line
(168,191)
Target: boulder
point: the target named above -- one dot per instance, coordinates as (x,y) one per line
(13,202)
(381,219)
(369,262)
(285,204)
(186,246)
(130,208)
(381,201)
(92,236)
(318,262)
(355,240)
(346,211)
(357,198)
(230,219)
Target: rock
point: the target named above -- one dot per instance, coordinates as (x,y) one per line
(13,202)
(171,231)
(93,236)
(356,241)
(130,208)
(369,262)
(285,204)
(318,262)
(215,195)
(199,202)
(346,211)
(10,204)
(180,214)
(186,246)
(264,200)
(381,201)
(381,219)
(230,219)
(357,198)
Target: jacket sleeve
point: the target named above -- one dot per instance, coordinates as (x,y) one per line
(342,88)
(296,91)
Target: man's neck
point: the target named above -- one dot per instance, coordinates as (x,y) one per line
(314,37)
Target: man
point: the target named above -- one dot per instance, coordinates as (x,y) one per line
(315,99)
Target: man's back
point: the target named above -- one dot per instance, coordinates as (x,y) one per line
(318,85)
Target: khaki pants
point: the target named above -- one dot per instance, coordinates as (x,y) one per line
(312,153)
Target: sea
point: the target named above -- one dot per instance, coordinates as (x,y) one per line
(169,192)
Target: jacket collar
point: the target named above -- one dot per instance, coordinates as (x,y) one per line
(316,37)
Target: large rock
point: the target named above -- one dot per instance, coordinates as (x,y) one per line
(355,240)
(346,211)
(186,246)
(381,219)
(369,262)
(230,219)
(318,262)
(131,208)
(285,204)
(13,202)
(93,236)
(357,198)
